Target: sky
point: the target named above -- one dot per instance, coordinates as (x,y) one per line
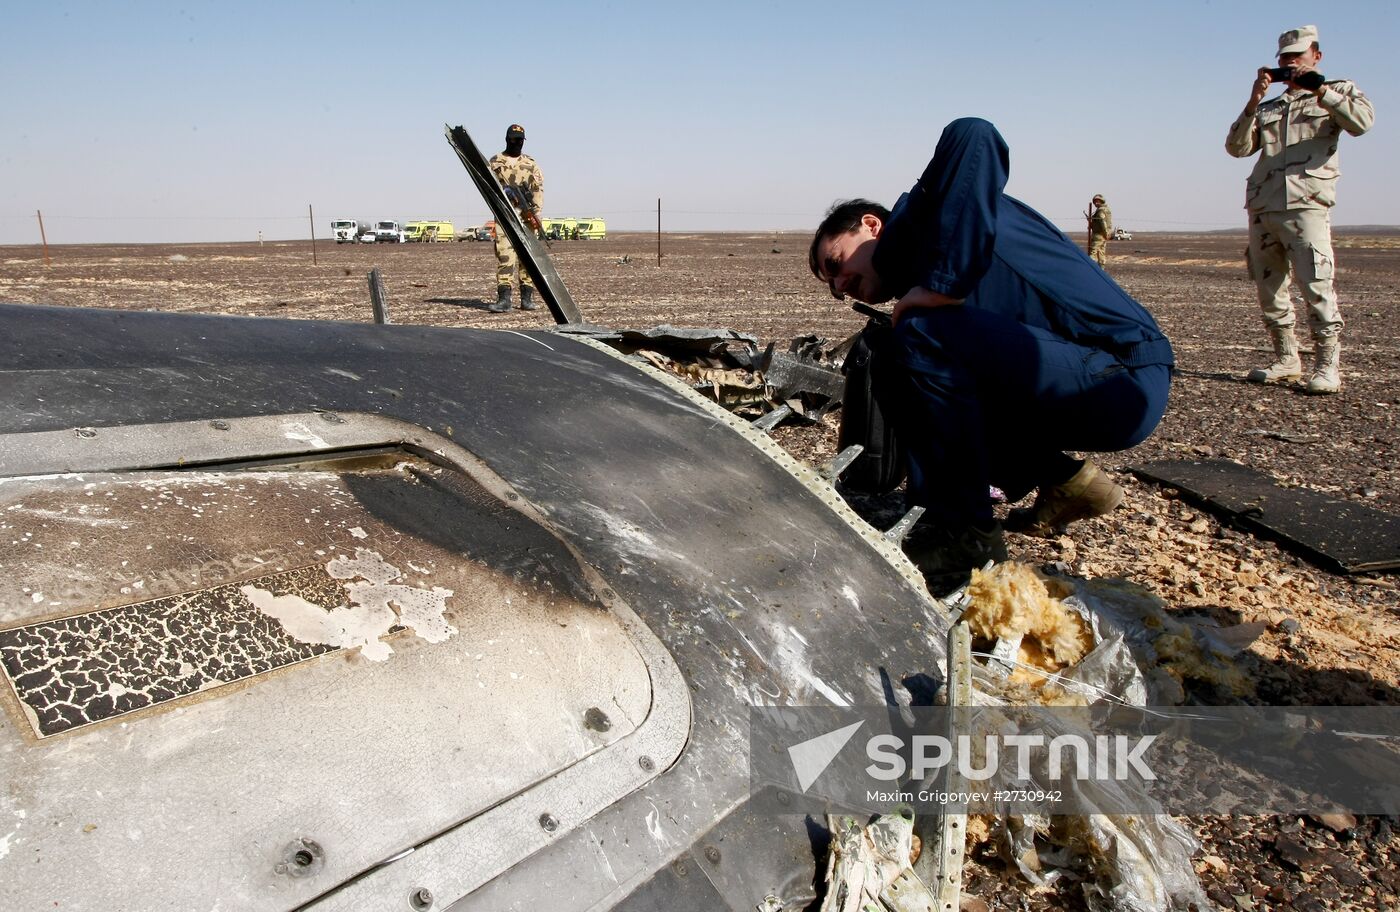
(190,122)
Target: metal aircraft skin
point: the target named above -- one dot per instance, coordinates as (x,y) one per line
(630,570)
(330,615)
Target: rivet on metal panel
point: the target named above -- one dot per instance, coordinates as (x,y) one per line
(421,899)
(784,798)
(596,720)
(548,823)
(609,594)
(770,903)
(512,496)
(712,854)
(681,869)
(86,433)
(219,424)
(332,418)
(301,858)
(646,763)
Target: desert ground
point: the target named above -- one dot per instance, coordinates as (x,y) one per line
(1330,639)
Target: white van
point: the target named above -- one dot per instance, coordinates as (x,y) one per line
(389,233)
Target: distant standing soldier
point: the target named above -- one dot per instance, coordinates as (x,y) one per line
(524,185)
(1100,227)
(1290,195)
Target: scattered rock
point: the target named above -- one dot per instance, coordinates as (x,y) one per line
(1337,823)
(1293,851)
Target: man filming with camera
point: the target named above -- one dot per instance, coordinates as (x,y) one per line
(1290,195)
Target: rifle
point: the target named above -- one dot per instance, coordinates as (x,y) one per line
(528,215)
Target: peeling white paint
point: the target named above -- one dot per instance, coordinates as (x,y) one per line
(377,604)
(358,532)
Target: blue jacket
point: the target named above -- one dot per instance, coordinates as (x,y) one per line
(955,232)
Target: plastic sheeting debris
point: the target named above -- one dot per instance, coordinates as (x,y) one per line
(1136,654)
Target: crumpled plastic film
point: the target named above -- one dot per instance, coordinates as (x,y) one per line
(866,862)
(1139,862)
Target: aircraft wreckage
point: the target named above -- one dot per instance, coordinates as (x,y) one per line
(353,616)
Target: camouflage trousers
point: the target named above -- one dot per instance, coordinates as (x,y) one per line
(506,262)
(1098,248)
(1300,239)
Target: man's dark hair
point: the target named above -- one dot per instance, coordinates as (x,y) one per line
(843,216)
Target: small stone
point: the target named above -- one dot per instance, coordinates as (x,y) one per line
(1203,450)
(1337,823)
(1290,625)
(1295,853)
(1348,877)
(1212,862)
(1200,526)
(972,904)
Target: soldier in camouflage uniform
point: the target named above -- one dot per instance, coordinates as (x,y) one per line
(1290,195)
(1100,227)
(524,185)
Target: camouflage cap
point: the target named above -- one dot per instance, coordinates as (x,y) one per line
(515,130)
(1098,198)
(1296,41)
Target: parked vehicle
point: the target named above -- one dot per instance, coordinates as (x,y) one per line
(347,231)
(1120,235)
(429,231)
(388,232)
(561,229)
(592,229)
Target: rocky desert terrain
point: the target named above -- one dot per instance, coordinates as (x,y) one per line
(1327,639)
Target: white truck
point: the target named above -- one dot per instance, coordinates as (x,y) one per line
(387,232)
(347,231)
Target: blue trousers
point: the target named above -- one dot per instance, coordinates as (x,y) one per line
(978,398)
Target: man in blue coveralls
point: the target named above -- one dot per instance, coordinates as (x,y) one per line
(1009,347)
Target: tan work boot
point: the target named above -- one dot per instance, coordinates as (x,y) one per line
(1287,363)
(1088,492)
(1325,379)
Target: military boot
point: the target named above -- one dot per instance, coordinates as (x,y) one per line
(947,556)
(1287,364)
(502,300)
(527,298)
(1087,493)
(1325,378)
